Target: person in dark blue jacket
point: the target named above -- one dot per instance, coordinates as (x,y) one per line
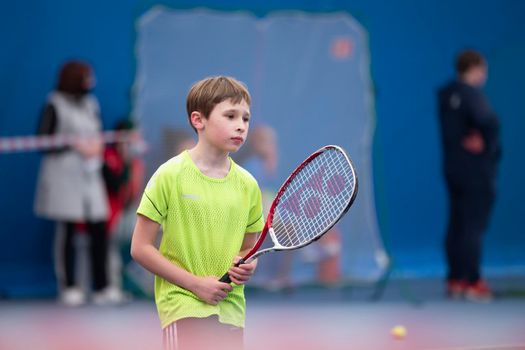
(471,153)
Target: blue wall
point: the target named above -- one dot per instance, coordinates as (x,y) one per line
(412,45)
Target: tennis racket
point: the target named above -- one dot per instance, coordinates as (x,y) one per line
(310,202)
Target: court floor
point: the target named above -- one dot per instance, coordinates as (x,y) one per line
(315,318)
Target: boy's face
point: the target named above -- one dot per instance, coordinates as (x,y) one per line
(227,125)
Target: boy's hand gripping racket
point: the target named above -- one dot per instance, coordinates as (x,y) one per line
(312,200)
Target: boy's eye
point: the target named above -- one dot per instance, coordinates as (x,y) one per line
(230,116)
(246,119)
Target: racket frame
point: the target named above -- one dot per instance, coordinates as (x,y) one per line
(254,254)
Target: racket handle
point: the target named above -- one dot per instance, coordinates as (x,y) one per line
(226,278)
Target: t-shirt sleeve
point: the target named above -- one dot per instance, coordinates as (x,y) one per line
(256,219)
(155,199)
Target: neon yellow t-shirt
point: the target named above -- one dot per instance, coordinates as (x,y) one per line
(204,221)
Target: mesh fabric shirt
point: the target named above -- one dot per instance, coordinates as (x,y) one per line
(204,221)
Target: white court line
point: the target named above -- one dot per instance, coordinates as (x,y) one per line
(485,347)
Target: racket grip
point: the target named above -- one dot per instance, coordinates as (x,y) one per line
(226,277)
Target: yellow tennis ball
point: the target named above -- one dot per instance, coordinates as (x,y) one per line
(398,332)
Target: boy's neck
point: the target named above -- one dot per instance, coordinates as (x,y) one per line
(211,162)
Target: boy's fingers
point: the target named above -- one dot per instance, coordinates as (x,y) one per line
(241,276)
(242,271)
(240,281)
(226,286)
(234,274)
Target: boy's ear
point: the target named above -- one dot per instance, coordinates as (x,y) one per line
(196,119)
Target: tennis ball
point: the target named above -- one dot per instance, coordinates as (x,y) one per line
(398,332)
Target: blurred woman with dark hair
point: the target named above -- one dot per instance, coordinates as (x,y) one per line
(70,186)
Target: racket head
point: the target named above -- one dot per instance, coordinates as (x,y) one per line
(311,201)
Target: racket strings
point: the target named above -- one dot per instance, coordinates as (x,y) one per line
(314,199)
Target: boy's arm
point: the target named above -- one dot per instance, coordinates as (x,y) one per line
(242,273)
(144,251)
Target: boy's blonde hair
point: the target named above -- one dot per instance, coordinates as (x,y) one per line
(204,95)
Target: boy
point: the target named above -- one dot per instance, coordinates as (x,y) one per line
(211,213)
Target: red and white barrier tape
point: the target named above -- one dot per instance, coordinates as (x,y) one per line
(47,142)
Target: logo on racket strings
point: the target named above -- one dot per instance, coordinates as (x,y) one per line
(317,189)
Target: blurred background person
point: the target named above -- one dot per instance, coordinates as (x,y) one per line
(471,153)
(138,280)
(70,186)
(124,176)
(176,140)
(326,254)
(261,161)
